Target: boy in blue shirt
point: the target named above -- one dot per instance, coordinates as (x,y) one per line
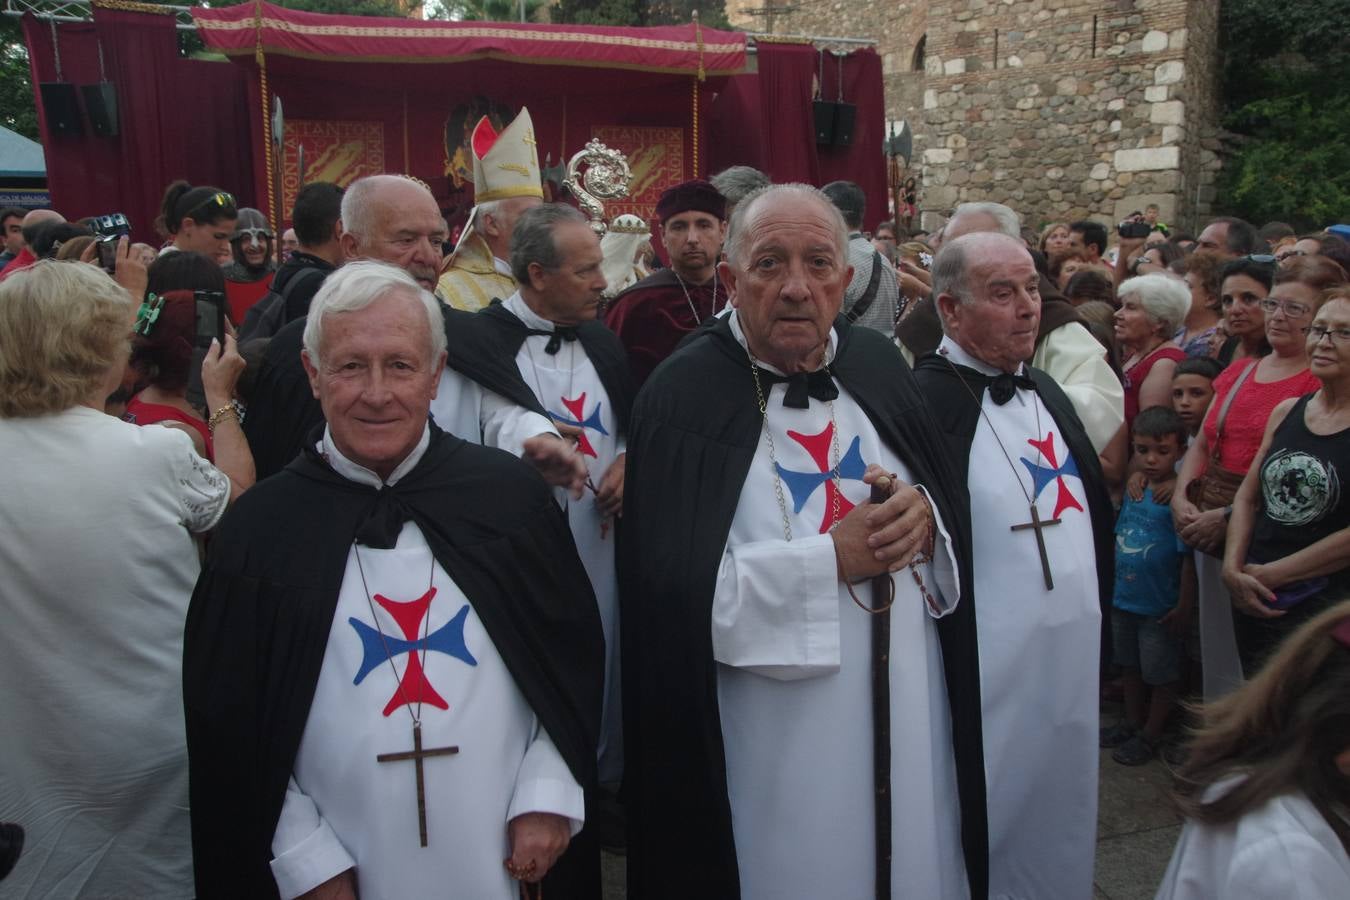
(1154,596)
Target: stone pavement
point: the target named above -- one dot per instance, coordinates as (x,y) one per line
(1136,830)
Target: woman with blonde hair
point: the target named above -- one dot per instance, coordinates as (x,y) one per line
(1054,239)
(1266,787)
(98,563)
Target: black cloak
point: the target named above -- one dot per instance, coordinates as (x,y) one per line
(958,416)
(693,437)
(258,625)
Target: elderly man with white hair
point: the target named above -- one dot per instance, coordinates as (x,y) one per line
(1042,560)
(373,707)
(1065,350)
(782,741)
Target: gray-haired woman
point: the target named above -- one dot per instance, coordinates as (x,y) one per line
(1151,309)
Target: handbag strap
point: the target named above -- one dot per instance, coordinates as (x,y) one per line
(1223,411)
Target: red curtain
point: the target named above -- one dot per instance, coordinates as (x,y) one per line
(177,118)
(766,120)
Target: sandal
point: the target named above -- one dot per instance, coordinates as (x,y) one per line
(1115,735)
(1137,751)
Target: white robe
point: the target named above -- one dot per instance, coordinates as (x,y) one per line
(570,390)
(1039,654)
(794,684)
(345,809)
(467,410)
(1284,849)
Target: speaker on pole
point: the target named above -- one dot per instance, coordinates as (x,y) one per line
(61,107)
(823,111)
(844,116)
(100,102)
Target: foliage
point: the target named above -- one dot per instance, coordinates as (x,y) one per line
(487,10)
(1284,70)
(712,13)
(17,110)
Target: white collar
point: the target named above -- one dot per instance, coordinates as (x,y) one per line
(736,332)
(959,355)
(360,474)
(516,305)
(503,267)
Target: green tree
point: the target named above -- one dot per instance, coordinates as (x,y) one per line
(598,12)
(17,110)
(1285,98)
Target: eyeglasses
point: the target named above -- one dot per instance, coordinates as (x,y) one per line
(1292,308)
(1264,259)
(1337,335)
(219,199)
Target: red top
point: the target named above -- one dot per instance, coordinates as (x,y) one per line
(141,413)
(1245,424)
(1135,375)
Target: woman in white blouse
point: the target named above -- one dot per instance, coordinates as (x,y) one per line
(97,563)
(1266,789)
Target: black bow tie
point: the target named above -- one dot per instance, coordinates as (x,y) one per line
(1003,385)
(803,386)
(556,337)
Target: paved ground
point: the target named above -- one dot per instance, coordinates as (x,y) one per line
(1136,830)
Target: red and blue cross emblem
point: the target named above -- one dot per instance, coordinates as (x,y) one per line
(576,407)
(413,688)
(803,484)
(1042,476)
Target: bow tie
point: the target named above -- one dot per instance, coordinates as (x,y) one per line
(1003,385)
(802,387)
(556,336)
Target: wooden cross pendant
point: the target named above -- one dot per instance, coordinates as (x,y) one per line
(1039,527)
(417,754)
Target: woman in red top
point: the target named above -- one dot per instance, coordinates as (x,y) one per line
(1151,309)
(1264,383)
(161,355)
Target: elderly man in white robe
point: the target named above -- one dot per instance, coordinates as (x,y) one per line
(1041,520)
(821,740)
(372,706)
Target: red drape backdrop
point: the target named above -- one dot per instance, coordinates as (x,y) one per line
(765,120)
(178,118)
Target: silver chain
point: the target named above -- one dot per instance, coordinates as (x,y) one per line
(698,320)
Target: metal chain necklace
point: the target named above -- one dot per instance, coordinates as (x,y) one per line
(919,559)
(389,657)
(698,320)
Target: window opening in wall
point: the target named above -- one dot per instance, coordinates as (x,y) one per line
(995,48)
(917,64)
(1094,36)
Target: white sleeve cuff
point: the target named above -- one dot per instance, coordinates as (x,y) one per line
(946,578)
(544,784)
(776,608)
(317,858)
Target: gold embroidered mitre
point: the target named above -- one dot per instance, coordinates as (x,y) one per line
(507,164)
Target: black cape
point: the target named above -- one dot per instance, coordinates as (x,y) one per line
(258,625)
(957,415)
(282,410)
(694,432)
(602,347)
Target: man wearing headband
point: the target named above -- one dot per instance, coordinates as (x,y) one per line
(653,315)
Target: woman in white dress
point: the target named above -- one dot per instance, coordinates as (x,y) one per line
(97,563)
(1266,789)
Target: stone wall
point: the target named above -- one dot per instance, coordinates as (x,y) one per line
(1063,109)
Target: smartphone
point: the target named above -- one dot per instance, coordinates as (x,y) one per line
(1129,229)
(109,228)
(210,317)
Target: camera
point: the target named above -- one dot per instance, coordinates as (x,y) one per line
(1134,228)
(109,229)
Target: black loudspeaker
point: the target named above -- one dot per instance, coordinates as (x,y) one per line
(844,114)
(100,102)
(824,118)
(61,107)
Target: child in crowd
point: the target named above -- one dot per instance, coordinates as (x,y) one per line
(1192,389)
(1154,596)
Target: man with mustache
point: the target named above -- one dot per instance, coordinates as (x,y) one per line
(653,315)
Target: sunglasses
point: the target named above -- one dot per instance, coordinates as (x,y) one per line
(1264,259)
(220,200)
